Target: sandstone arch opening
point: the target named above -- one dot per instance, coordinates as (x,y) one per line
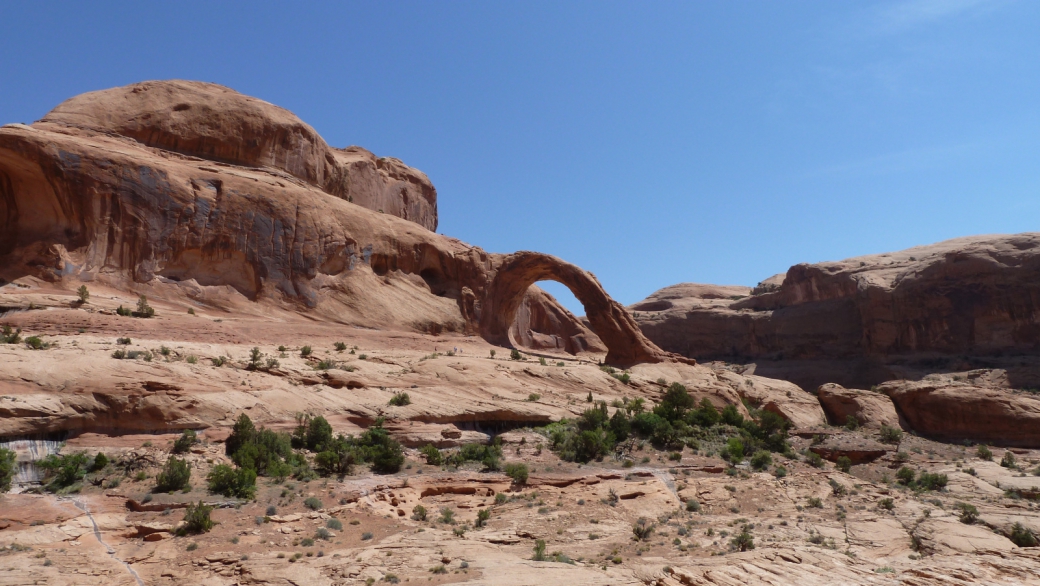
(514,274)
(546,321)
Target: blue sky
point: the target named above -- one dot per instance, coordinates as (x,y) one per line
(651,143)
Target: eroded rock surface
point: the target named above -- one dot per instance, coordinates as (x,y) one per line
(871,409)
(868,319)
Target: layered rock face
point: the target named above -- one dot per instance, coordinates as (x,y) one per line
(543,324)
(185,188)
(867,319)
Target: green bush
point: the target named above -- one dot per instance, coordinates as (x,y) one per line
(1008,461)
(196,518)
(761,460)
(305,351)
(514,354)
(984,453)
(174,476)
(64,471)
(312,503)
(340,346)
(419,513)
(887,503)
(539,551)
(400,400)
(185,442)
(780,472)
(35,343)
(432,455)
(734,450)
(851,423)
(905,476)
(844,464)
(334,524)
(642,529)
(100,461)
(232,482)
(743,541)
(693,506)
(482,517)
(814,460)
(8,469)
(518,472)
(143,309)
(1022,537)
(891,435)
(968,513)
(9,336)
(931,481)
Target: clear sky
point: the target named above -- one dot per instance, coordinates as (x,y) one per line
(650,142)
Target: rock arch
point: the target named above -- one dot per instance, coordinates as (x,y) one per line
(514,273)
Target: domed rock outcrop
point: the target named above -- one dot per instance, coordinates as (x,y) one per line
(869,408)
(183,187)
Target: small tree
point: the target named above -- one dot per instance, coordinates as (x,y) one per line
(7,469)
(196,518)
(905,475)
(174,476)
(255,359)
(228,481)
(185,442)
(844,464)
(539,551)
(969,514)
(1022,537)
(642,529)
(419,513)
(514,354)
(492,352)
(761,460)
(743,541)
(100,461)
(518,472)
(143,309)
(891,435)
(83,293)
(432,454)
(851,423)
(482,517)
(984,453)
(1008,461)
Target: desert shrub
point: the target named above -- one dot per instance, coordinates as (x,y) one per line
(814,460)
(185,442)
(63,471)
(815,502)
(305,351)
(123,341)
(743,541)
(1008,461)
(432,454)
(837,489)
(542,362)
(174,476)
(232,482)
(851,423)
(8,469)
(984,453)
(143,309)
(1022,537)
(780,472)
(400,400)
(323,534)
(340,346)
(734,450)
(83,293)
(36,343)
(642,529)
(191,359)
(9,336)
(533,397)
(891,435)
(271,510)
(539,551)
(887,503)
(518,472)
(761,460)
(447,516)
(692,505)
(255,359)
(123,311)
(100,461)
(844,464)
(312,503)
(196,518)
(905,476)
(334,524)
(514,354)
(419,513)
(482,517)
(932,481)
(968,513)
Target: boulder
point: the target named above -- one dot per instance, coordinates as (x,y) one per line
(786,399)
(857,448)
(870,409)
(968,406)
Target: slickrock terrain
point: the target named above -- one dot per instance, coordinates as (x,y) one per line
(231,354)
(956,305)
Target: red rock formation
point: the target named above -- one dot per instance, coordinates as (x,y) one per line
(512,275)
(543,324)
(974,406)
(194,187)
(867,319)
(869,408)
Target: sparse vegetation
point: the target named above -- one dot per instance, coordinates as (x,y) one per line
(1022,537)
(8,469)
(305,351)
(83,293)
(642,529)
(518,472)
(10,336)
(175,475)
(891,435)
(968,513)
(419,513)
(844,464)
(196,518)
(185,442)
(232,482)
(743,541)
(984,453)
(432,455)
(312,503)
(400,400)
(514,354)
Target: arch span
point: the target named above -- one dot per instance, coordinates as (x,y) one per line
(512,276)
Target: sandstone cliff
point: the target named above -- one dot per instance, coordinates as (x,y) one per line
(958,304)
(191,190)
